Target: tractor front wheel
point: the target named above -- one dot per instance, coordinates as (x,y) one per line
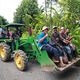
(20,60)
(5,52)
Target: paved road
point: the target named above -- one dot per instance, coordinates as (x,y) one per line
(8,71)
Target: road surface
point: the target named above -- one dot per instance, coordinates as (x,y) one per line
(8,71)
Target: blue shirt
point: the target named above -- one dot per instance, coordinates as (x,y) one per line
(45,41)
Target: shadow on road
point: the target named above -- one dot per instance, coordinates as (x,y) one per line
(69,74)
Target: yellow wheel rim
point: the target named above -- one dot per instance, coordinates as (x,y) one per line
(19,61)
(2,52)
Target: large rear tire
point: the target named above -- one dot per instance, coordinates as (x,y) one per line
(5,52)
(20,60)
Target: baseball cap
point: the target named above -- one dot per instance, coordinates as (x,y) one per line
(44,28)
(62,28)
(54,27)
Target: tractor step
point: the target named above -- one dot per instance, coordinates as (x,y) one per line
(68,65)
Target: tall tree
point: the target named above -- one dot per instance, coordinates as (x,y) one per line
(26,12)
(3,21)
(71,11)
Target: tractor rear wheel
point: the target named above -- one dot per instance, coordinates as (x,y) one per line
(5,52)
(20,60)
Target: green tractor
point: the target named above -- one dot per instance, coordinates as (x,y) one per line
(23,48)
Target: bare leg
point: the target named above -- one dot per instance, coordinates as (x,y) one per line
(61,62)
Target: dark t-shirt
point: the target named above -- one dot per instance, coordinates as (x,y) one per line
(58,38)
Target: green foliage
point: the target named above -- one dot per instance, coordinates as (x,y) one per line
(26,12)
(3,21)
(71,12)
(25,35)
(76,38)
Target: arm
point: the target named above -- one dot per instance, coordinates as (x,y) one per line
(42,39)
(69,38)
(64,40)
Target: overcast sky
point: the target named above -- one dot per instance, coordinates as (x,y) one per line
(8,7)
